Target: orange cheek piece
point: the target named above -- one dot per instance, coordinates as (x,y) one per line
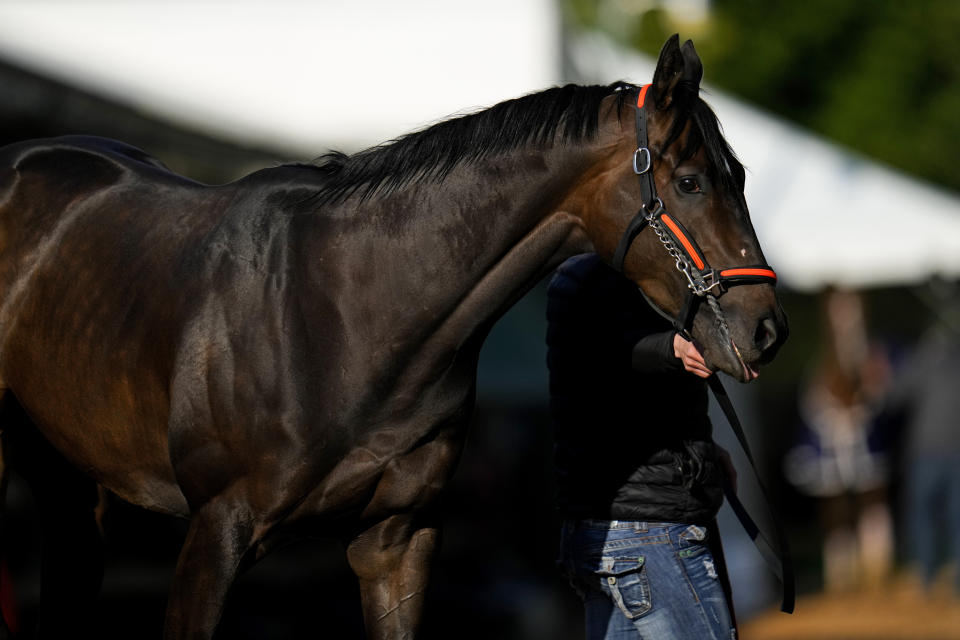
(684,240)
(642,96)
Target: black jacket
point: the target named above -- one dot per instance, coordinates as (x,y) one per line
(633,440)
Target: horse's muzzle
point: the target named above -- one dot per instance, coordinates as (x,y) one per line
(770,334)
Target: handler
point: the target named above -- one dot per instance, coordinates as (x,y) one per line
(639,478)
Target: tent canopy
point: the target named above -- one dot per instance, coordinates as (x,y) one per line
(307,76)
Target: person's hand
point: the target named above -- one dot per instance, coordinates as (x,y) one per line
(690,356)
(726,464)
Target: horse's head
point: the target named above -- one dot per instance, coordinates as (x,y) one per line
(692,242)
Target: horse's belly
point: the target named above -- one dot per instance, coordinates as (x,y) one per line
(105,414)
(123,450)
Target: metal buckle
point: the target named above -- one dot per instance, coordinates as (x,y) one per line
(705,281)
(646,165)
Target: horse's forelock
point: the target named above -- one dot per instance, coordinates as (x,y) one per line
(705,133)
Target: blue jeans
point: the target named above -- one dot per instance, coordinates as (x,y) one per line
(933,527)
(654,581)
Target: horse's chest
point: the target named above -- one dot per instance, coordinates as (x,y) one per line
(395,468)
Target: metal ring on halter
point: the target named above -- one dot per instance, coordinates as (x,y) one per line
(654,210)
(647,161)
(701,288)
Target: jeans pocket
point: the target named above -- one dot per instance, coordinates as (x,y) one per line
(625,579)
(692,542)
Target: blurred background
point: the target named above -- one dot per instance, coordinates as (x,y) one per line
(845,113)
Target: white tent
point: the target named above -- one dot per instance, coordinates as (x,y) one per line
(305,75)
(823,215)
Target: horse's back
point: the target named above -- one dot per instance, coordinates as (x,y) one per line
(95,208)
(56,153)
(43,181)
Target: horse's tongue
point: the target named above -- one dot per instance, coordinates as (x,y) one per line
(749,371)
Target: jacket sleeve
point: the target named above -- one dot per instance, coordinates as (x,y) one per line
(653,353)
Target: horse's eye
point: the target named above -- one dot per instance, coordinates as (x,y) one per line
(689,184)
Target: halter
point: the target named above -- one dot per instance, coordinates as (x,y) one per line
(702,279)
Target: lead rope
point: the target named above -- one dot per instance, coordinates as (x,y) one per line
(780,563)
(721,318)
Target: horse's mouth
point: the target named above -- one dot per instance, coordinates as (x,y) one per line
(750,372)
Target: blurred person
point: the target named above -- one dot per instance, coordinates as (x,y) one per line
(837,459)
(928,394)
(638,473)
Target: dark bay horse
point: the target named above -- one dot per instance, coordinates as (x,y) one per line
(296,352)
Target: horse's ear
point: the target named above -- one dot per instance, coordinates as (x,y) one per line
(692,67)
(674,65)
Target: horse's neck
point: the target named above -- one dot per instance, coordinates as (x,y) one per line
(439,263)
(494,231)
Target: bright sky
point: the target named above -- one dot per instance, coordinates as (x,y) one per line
(304,74)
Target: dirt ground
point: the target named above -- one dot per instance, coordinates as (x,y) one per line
(899,611)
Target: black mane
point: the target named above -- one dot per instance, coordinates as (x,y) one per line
(563,114)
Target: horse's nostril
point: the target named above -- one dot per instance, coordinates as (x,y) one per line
(766,335)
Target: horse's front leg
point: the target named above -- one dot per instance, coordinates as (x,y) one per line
(219,537)
(392,562)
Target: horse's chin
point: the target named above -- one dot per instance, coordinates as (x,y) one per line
(746,371)
(734,366)
(727,343)
(728,358)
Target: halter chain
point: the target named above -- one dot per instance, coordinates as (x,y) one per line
(697,285)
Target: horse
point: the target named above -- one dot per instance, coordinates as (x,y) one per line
(295,353)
